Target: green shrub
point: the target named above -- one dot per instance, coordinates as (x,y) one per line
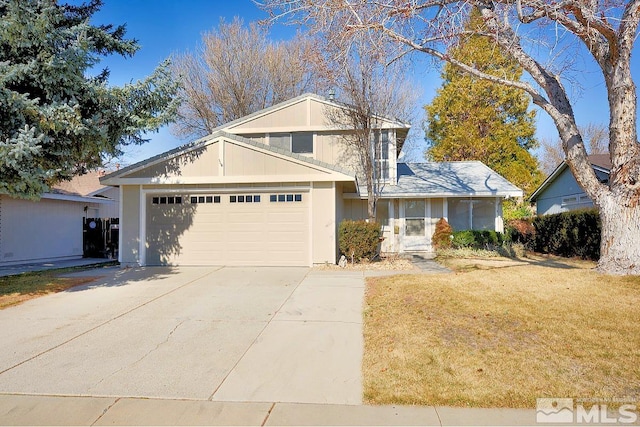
(569,234)
(477,239)
(442,235)
(358,239)
(520,231)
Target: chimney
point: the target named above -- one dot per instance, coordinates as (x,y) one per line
(332,94)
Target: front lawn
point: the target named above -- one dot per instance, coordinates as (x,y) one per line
(500,333)
(17,289)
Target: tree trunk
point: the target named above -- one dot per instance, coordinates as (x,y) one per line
(619,246)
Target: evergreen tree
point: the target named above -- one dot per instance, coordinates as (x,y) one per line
(475,119)
(55,119)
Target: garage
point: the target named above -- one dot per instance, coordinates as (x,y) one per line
(228,228)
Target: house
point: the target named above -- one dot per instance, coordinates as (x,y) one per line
(560,192)
(271,189)
(52,227)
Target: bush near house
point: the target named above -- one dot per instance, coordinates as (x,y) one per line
(442,236)
(477,239)
(359,239)
(569,234)
(520,231)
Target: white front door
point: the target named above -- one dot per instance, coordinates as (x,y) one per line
(416,233)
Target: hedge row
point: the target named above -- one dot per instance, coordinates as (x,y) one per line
(568,234)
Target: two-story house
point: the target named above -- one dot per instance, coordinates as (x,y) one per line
(271,189)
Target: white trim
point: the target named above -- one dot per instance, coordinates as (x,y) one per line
(310,236)
(445,209)
(498,224)
(225,190)
(72,198)
(240,179)
(120,221)
(142,243)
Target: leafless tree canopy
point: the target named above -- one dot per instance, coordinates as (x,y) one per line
(606,30)
(237,70)
(374,91)
(596,136)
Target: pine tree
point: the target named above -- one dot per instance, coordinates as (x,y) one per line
(56,120)
(474,119)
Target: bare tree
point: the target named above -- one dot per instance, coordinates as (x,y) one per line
(237,70)
(596,136)
(606,30)
(374,93)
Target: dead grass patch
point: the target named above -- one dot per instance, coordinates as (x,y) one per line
(500,333)
(23,287)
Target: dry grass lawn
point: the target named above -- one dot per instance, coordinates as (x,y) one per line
(500,333)
(17,289)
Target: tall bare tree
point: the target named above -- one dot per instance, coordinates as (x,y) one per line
(596,136)
(237,70)
(606,30)
(374,92)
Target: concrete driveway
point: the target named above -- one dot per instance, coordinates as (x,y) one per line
(222,334)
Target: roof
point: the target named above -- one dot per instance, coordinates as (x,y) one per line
(446,179)
(600,162)
(203,142)
(81,185)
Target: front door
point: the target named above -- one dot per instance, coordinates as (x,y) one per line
(416,235)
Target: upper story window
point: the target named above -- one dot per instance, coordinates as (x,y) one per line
(381,147)
(296,142)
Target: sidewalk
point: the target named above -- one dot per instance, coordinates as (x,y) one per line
(10,270)
(61,410)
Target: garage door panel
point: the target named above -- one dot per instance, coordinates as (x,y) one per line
(224,233)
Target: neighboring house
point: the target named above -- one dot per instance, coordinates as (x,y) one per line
(560,192)
(52,227)
(271,189)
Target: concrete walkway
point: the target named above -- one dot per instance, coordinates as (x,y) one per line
(88,411)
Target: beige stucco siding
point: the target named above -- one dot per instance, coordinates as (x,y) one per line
(130,225)
(355,209)
(202,162)
(246,161)
(290,117)
(323,222)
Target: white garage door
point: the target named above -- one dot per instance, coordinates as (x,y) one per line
(228,229)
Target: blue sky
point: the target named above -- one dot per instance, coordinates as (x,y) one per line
(165,27)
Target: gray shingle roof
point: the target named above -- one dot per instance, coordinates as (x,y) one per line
(438,179)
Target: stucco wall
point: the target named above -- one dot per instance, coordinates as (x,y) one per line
(42,230)
(130,225)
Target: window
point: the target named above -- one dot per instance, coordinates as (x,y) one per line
(381,147)
(382,212)
(256,198)
(232,199)
(204,199)
(297,142)
(472,214)
(284,198)
(414,213)
(166,200)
